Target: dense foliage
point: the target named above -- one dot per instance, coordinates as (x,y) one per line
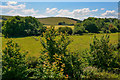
(14,65)
(65,29)
(55,61)
(97,25)
(79,29)
(102,60)
(90,26)
(61,23)
(22,26)
(104,55)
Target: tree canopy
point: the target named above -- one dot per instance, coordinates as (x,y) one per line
(22,26)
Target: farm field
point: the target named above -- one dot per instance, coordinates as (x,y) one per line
(79,43)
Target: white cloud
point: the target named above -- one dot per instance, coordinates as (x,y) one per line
(19,9)
(102,8)
(21,6)
(29,11)
(64,13)
(95,10)
(51,11)
(84,11)
(110,14)
(77,13)
(11,2)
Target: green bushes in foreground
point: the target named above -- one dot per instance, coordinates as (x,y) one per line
(14,65)
(56,62)
(104,55)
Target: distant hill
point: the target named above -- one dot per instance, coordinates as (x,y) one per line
(5,17)
(56,20)
(51,20)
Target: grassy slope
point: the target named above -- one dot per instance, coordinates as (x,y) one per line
(56,20)
(79,43)
(53,20)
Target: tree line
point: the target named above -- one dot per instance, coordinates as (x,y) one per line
(97,25)
(29,26)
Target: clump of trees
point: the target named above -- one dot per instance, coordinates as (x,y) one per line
(22,26)
(97,25)
(65,29)
(61,23)
(79,29)
(90,26)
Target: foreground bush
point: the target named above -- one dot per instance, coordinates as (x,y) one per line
(13,62)
(93,73)
(104,55)
(55,61)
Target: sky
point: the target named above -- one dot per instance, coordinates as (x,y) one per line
(62,0)
(77,10)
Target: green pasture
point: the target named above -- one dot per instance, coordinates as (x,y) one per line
(81,42)
(57,26)
(56,20)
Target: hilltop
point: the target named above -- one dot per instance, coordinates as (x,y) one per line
(50,20)
(56,20)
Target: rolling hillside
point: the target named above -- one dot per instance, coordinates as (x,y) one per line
(56,20)
(51,20)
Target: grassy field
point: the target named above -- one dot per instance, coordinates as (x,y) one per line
(56,20)
(57,26)
(79,43)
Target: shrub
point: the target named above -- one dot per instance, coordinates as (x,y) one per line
(79,28)
(53,45)
(49,70)
(65,29)
(103,54)
(94,73)
(55,61)
(13,62)
(61,23)
(74,65)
